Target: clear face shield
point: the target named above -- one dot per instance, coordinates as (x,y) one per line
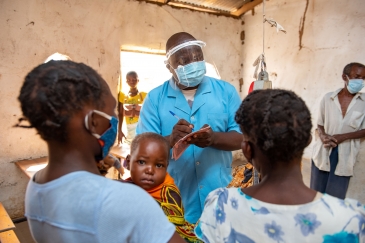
(186,56)
(188,63)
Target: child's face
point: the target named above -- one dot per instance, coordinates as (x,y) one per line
(148,164)
(132,80)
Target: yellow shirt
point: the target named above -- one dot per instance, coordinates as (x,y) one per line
(132,100)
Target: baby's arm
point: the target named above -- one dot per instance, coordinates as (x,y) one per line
(114,161)
(174,210)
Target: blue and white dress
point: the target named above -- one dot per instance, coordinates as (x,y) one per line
(231,216)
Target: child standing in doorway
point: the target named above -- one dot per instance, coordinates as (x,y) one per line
(148,163)
(129,106)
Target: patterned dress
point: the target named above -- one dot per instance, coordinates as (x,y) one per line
(231,216)
(168,197)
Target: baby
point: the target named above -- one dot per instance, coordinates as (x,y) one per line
(148,163)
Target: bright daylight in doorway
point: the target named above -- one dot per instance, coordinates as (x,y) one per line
(151,70)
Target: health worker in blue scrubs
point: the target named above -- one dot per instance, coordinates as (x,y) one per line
(197,101)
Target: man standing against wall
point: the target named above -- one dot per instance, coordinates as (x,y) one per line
(341,124)
(198,101)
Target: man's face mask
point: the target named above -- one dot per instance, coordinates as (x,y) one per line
(107,139)
(354,85)
(191,75)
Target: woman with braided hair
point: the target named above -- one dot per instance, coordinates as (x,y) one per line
(276,127)
(72,109)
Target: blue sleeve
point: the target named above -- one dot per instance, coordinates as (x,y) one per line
(149,119)
(233,105)
(129,214)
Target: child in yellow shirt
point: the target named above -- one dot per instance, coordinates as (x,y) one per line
(129,106)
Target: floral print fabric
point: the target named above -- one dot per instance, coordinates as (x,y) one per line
(231,216)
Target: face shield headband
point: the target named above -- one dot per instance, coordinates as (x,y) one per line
(183,45)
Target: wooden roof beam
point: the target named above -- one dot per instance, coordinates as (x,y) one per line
(246,7)
(194,7)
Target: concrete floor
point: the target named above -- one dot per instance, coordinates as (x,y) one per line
(23,233)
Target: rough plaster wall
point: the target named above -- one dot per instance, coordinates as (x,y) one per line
(309,59)
(311,66)
(89,31)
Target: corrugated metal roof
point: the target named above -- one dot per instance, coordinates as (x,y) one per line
(220,5)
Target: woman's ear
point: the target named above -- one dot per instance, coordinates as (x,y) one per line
(93,123)
(97,123)
(88,122)
(247,150)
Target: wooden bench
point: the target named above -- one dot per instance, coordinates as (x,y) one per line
(7,235)
(5,221)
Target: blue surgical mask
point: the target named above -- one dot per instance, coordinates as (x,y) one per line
(191,75)
(355,85)
(107,139)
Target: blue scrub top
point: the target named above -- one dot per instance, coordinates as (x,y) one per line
(199,170)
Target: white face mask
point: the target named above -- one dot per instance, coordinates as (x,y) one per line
(354,85)
(191,75)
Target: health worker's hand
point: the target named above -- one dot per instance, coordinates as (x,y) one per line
(203,139)
(180,130)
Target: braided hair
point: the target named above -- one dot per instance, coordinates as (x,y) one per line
(277,121)
(54,91)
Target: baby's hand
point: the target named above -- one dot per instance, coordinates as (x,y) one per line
(111,160)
